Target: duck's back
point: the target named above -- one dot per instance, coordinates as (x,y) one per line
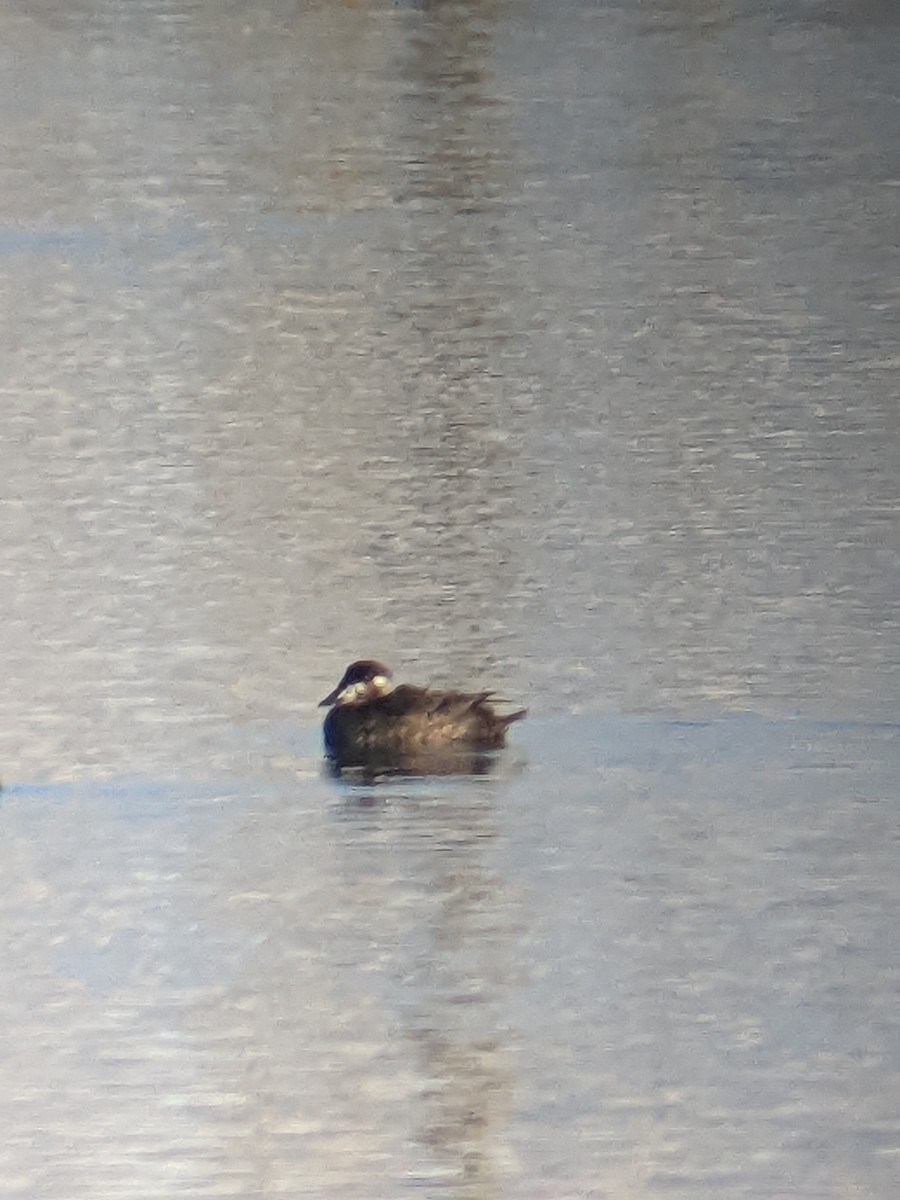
(409,720)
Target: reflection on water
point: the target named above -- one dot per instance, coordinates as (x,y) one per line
(373,768)
(661,960)
(550,350)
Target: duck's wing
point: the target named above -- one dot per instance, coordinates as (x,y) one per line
(405,701)
(455,705)
(409,701)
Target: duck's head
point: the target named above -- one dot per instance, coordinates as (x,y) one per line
(362,682)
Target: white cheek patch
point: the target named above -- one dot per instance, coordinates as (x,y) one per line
(363,689)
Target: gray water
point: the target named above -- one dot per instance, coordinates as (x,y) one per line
(544,347)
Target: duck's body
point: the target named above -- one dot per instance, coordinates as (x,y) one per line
(371,719)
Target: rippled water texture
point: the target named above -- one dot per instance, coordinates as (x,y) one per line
(547,347)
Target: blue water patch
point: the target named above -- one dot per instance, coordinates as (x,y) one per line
(743,748)
(89,242)
(664,744)
(92,242)
(129,799)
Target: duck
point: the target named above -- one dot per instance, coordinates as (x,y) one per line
(373,719)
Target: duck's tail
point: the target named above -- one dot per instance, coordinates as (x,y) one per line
(516,716)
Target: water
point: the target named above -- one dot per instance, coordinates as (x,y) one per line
(548,348)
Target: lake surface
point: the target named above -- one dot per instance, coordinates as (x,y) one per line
(544,347)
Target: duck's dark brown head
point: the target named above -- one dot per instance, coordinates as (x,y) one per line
(361,683)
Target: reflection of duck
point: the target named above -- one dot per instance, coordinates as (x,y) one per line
(372,721)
